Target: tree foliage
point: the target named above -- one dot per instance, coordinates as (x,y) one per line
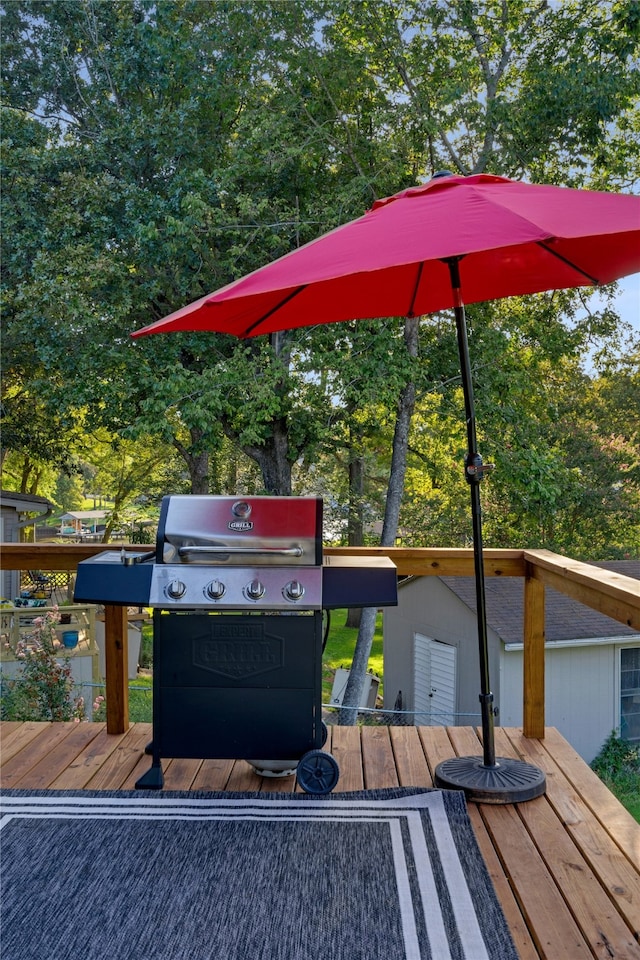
(153,151)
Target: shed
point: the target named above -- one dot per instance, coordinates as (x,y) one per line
(592,663)
(18,510)
(78,523)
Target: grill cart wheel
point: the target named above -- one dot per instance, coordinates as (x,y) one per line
(318,772)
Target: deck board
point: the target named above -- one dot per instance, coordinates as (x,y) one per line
(411,763)
(17,736)
(345,747)
(566,866)
(617,821)
(377,758)
(91,758)
(595,914)
(548,917)
(596,845)
(519,931)
(129,752)
(38,749)
(213,775)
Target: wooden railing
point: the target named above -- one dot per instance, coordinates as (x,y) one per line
(610,593)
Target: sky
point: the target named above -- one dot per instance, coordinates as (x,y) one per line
(628,300)
(627,304)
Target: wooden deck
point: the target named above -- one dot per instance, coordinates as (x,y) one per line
(566,866)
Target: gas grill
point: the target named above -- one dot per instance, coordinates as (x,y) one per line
(238,586)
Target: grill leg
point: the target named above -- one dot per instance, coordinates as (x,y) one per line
(153,779)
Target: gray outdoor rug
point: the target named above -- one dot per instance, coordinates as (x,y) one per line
(380,875)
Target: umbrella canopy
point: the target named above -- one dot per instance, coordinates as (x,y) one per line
(513,238)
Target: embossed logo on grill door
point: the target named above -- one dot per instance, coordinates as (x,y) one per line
(237,651)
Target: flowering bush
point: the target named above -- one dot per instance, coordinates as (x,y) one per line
(43,688)
(99,708)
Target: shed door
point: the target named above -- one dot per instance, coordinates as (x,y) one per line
(434,677)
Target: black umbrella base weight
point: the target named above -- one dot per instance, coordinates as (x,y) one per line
(508,781)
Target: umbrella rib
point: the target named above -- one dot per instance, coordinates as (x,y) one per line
(569,263)
(278,306)
(416,287)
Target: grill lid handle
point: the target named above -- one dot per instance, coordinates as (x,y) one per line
(220,552)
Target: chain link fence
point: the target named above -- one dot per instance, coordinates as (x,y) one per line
(334,714)
(141,706)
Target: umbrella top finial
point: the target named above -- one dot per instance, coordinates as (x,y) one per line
(442,173)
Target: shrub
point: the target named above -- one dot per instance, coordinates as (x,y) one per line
(618,765)
(43,688)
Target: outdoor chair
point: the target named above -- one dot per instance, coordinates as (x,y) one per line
(39,583)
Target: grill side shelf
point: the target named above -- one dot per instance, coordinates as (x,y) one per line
(359,582)
(105,579)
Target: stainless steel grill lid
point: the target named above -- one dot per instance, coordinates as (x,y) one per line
(285,531)
(239,553)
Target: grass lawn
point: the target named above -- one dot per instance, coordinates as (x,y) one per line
(338,652)
(632,803)
(140,700)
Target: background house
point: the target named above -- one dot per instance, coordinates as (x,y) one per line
(18,510)
(592,663)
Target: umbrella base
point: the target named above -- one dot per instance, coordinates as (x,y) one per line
(509,781)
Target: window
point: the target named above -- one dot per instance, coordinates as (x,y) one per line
(630,694)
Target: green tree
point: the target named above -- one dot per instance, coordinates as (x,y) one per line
(199,161)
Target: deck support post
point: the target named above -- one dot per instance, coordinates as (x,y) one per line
(533,719)
(117,668)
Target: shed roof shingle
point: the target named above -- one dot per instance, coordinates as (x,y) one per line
(565,619)
(25,501)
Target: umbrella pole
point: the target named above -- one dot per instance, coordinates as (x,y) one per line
(474,471)
(483,779)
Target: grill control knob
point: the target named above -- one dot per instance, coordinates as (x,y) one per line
(254,590)
(176,589)
(293,591)
(215,590)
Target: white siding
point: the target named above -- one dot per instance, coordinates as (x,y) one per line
(427,606)
(10,583)
(580,699)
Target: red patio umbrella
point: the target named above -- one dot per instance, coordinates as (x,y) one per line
(510,238)
(417,252)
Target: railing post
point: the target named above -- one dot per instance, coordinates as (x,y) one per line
(533,659)
(117,668)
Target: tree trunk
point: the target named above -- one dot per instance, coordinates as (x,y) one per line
(273,453)
(354,617)
(353,693)
(273,459)
(355,522)
(197,461)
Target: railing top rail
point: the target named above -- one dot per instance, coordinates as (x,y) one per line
(609,592)
(418,561)
(442,561)
(608,581)
(614,594)
(52,556)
